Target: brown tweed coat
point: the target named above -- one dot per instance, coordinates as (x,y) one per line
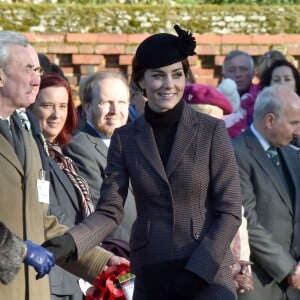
(189,211)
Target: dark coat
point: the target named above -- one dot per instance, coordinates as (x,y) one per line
(273,216)
(64,204)
(188,212)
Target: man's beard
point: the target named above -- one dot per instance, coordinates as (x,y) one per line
(107,131)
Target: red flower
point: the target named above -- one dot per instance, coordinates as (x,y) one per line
(106,285)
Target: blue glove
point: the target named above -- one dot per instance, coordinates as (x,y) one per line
(40,258)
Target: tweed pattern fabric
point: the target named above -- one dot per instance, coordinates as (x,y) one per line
(190,209)
(89,153)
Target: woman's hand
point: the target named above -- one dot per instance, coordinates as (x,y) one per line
(116,260)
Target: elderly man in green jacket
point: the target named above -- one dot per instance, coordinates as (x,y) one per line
(24,193)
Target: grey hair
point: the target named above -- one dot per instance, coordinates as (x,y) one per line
(268,101)
(7,39)
(96,77)
(235,53)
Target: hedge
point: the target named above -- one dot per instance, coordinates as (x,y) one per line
(142,18)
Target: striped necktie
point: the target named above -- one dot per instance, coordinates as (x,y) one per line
(273,154)
(25,121)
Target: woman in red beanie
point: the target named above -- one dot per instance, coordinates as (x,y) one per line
(185,180)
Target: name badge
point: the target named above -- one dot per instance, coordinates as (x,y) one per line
(43,188)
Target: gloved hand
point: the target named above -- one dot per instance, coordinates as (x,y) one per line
(38,257)
(62,247)
(185,285)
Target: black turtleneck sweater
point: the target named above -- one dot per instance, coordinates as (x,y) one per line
(164,125)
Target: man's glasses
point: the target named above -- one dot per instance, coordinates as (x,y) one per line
(39,71)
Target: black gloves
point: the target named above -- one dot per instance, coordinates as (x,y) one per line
(184,285)
(63,247)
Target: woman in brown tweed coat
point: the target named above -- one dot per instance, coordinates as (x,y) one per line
(185,181)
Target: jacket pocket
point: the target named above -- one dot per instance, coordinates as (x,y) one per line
(140,236)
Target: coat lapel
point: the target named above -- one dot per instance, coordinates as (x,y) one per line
(99,145)
(146,142)
(66,184)
(95,139)
(29,142)
(268,167)
(184,136)
(8,152)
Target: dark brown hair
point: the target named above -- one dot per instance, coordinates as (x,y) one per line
(267,75)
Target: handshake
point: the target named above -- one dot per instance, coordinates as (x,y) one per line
(38,257)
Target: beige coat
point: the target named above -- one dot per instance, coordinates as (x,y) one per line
(26,217)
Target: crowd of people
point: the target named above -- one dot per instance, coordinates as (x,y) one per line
(196,188)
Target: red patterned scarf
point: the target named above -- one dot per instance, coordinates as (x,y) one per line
(67,165)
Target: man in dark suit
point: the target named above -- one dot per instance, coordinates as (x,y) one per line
(271,193)
(23,206)
(105,102)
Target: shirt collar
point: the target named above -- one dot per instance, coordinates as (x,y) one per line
(105,139)
(7,118)
(260,138)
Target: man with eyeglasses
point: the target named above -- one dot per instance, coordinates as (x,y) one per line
(239,66)
(23,189)
(20,209)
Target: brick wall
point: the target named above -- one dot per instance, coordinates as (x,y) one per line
(80,54)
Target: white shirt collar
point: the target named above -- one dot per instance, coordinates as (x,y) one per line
(260,138)
(103,138)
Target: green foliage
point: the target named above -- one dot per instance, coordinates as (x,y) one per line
(169,2)
(142,18)
(164,2)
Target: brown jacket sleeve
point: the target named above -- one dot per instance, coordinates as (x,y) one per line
(89,265)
